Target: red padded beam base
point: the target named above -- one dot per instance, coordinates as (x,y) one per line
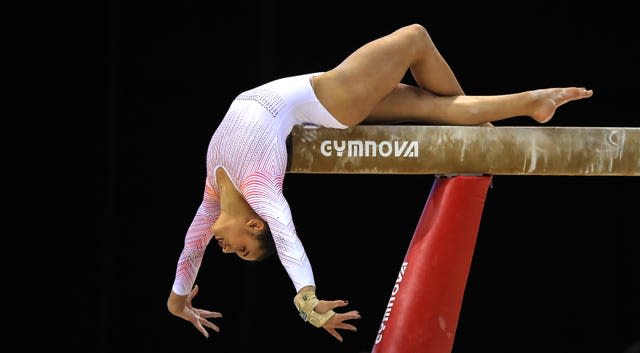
(424,307)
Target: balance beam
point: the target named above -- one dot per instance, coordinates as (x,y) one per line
(466,150)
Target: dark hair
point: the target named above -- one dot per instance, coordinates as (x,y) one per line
(267,245)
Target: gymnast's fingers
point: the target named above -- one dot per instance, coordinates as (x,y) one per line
(334,333)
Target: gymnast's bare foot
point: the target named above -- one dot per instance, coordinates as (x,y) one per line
(546,101)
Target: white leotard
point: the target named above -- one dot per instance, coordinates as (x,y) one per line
(250,144)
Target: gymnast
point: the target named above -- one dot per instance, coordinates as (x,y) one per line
(243,208)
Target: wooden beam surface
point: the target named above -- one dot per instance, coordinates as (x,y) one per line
(475,150)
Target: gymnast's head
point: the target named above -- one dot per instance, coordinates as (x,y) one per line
(249,239)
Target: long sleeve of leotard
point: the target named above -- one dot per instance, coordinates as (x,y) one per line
(198,236)
(263,192)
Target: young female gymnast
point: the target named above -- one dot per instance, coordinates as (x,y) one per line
(243,208)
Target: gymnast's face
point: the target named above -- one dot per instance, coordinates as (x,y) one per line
(238,239)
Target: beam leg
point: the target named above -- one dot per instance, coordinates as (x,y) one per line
(424,307)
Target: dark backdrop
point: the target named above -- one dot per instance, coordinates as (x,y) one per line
(117,102)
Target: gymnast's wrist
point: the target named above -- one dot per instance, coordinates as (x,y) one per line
(305,301)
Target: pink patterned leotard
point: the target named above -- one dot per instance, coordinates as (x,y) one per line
(250,144)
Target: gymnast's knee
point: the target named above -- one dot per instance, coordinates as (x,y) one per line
(418,36)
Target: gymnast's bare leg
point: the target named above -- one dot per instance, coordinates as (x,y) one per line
(366,87)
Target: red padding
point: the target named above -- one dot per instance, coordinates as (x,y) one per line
(424,307)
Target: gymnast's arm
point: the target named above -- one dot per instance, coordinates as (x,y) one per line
(294,259)
(196,240)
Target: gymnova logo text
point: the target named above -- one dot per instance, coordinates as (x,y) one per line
(369,148)
(392,300)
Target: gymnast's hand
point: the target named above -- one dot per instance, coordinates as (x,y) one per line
(181,306)
(337,320)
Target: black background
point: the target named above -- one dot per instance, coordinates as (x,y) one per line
(114,104)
